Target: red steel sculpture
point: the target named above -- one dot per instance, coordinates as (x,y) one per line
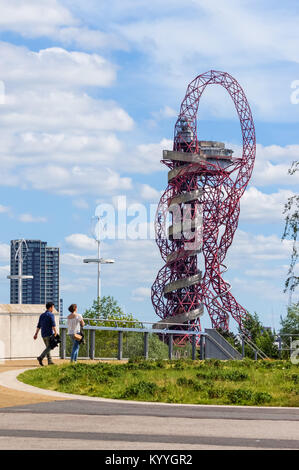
(202,200)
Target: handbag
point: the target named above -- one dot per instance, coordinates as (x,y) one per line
(77,337)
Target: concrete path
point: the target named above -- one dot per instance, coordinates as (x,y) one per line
(63,421)
(11,395)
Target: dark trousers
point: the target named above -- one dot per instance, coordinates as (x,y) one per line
(46,351)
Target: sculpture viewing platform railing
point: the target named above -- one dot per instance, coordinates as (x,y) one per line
(209,344)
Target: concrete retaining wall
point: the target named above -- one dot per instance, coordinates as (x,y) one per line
(17,327)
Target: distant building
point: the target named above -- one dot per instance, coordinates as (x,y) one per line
(42,262)
(61,308)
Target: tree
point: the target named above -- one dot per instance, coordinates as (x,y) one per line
(106,312)
(134,346)
(107,308)
(261,336)
(231,338)
(110,313)
(291,209)
(290,324)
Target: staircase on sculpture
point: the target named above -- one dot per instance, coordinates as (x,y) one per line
(216,347)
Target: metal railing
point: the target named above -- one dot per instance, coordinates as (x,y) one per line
(257,351)
(123,329)
(146,328)
(136,322)
(279,339)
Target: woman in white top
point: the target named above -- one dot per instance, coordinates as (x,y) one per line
(74,322)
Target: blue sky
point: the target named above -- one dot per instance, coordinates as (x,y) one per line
(92,91)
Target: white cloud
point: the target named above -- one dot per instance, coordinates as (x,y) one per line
(47,117)
(165,113)
(259,207)
(4,272)
(4,252)
(76,180)
(279,272)
(136,262)
(146,158)
(88,39)
(255,250)
(149,193)
(247,37)
(272,164)
(4,209)
(33,17)
(71,259)
(55,67)
(54,135)
(257,267)
(78,285)
(29,218)
(248,40)
(80,241)
(266,174)
(81,203)
(261,288)
(141,293)
(277,153)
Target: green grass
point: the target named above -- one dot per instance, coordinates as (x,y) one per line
(247,382)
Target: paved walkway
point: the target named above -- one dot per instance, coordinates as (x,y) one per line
(38,419)
(13,397)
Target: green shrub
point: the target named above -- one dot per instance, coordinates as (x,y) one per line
(239,395)
(235,376)
(180,364)
(65,380)
(142,388)
(161,363)
(182,381)
(295,378)
(214,362)
(215,392)
(261,397)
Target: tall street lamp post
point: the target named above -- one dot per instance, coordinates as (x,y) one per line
(98,260)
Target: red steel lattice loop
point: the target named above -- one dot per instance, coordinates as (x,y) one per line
(204,194)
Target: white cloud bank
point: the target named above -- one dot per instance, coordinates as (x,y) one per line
(54,135)
(259,207)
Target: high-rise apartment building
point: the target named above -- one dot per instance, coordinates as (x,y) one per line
(42,262)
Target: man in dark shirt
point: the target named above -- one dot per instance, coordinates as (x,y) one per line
(47,325)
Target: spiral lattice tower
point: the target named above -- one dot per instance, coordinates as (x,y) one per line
(202,200)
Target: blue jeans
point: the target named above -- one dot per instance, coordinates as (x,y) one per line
(75,350)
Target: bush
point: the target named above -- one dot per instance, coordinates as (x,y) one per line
(263,338)
(184,382)
(180,364)
(295,378)
(215,392)
(140,363)
(240,395)
(261,397)
(134,347)
(142,388)
(234,376)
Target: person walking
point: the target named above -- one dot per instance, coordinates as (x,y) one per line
(74,323)
(47,325)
